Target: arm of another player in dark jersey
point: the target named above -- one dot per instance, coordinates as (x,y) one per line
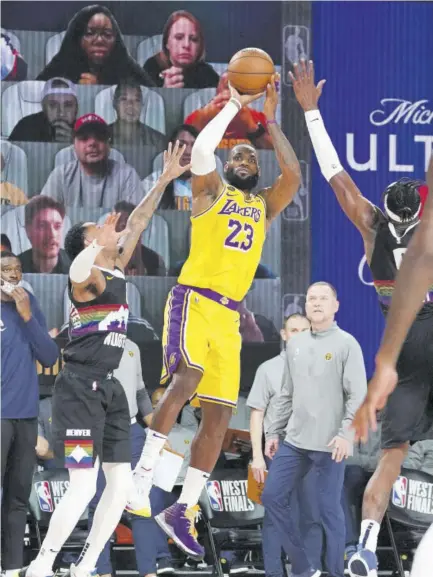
(281,193)
(357,208)
(142,214)
(413,281)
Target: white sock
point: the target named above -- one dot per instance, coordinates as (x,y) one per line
(193,485)
(11,572)
(151,452)
(369,533)
(82,487)
(108,512)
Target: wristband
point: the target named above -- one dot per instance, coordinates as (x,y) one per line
(271,122)
(236,102)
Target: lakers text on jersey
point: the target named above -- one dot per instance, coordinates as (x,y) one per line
(226,244)
(201,322)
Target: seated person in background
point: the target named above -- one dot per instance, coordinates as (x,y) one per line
(420,457)
(127,129)
(10,194)
(177,194)
(44,220)
(13,65)
(255,328)
(359,468)
(93,179)
(93,52)
(144,261)
(180,64)
(5,243)
(44,451)
(249,125)
(56,120)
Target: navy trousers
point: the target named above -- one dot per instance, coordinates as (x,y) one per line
(304,507)
(149,539)
(290,465)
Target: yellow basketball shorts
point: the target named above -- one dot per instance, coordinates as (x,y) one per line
(202,328)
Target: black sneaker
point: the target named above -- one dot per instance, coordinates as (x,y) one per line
(165,566)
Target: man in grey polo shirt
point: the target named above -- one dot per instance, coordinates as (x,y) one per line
(262,401)
(324,383)
(93,179)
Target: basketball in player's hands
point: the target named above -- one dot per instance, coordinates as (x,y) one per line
(250,71)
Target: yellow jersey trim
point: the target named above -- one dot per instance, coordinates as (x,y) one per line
(211,205)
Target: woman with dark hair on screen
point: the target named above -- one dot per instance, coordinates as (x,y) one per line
(93,52)
(180,63)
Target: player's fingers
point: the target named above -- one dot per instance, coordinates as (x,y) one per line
(310,70)
(303,69)
(292,78)
(320,85)
(372,417)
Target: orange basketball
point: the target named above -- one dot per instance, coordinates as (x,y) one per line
(250,70)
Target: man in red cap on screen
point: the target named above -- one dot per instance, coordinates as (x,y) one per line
(93,179)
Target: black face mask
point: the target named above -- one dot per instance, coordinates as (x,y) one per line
(247,183)
(402,201)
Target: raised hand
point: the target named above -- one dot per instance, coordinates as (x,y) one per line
(108,229)
(271,102)
(244,99)
(380,387)
(22,302)
(172,156)
(306,92)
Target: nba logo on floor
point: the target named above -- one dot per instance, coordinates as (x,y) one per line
(45,499)
(214,493)
(399,492)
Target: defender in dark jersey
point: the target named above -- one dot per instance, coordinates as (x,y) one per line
(91,423)
(386,235)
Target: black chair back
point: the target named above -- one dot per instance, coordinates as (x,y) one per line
(48,487)
(224,501)
(411,501)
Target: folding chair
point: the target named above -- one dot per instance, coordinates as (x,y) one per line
(232,521)
(410,510)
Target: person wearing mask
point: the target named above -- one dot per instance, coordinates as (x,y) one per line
(248,126)
(44,221)
(127,128)
(262,399)
(180,63)
(323,385)
(25,340)
(93,52)
(93,179)
(56,120)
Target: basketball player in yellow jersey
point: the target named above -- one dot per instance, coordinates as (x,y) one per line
(201,340)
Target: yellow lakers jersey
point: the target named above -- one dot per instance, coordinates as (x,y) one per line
(226,244)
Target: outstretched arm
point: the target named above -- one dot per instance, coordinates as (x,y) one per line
(281,193)
(413,281)
(140,217)
(205,179)
(357,208)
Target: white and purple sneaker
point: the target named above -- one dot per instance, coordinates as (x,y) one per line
(178,523)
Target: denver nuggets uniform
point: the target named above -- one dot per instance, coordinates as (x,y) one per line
(90,409)
(201,322)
